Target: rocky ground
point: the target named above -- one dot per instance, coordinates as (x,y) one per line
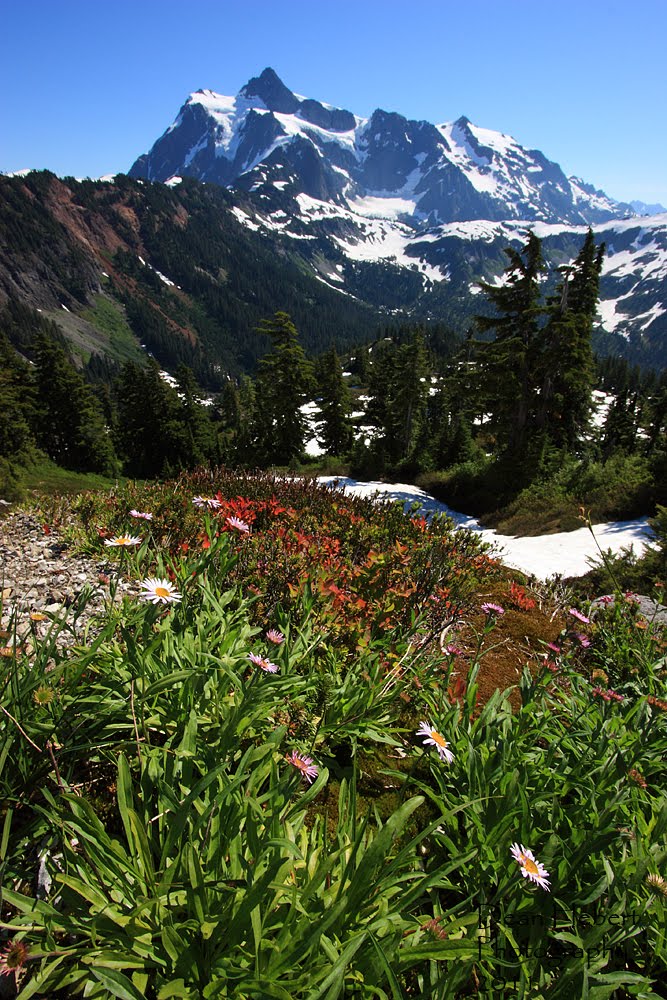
(40,577)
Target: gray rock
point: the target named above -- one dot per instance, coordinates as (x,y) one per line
(645,606)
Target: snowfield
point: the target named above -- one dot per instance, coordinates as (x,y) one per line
(565,554)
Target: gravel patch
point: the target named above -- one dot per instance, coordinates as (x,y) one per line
(41,575)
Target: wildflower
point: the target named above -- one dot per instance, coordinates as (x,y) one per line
(12,957)
(599,675)
(124,541)
(657,702)
(637,777)
(453,649)
(274,636)
(236,522)
(43,695)
(607,599)
(305,765)
(210,503)
(578,615)
(38,616)
(434,927)
(266,665)
(437,740)
(583,640)
(657,883)
(530,867)
(492,609)
(159,591)
(554,647)
(143,514)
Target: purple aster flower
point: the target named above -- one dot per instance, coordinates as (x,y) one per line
(492,609)
(266,665)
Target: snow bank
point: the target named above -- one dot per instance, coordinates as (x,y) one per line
(566,553)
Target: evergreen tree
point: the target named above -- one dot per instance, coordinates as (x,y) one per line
(244,451)
(197,426)
(620,426)
(283,382)
(409,397)
(507,363)
(335,405)
(151,429)
(565,360)
(17,405)
(380,379)
(227,406)
(70,426)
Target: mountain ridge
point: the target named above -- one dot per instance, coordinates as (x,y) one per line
(453,171)
(283,202)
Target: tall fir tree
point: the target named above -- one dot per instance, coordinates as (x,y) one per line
(566,366)
(198,428)
(335,405)
(506,364)
(152,433)
(284,380)
(70,425)
(409,398)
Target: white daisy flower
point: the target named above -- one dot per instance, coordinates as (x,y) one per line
(530,867)
(437,740)
(236,522)
(210,503)
(123,540)
(144,515)
(159,591)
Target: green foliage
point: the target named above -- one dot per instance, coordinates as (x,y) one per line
(106,316)
(335,405)
(535,377)
(161,839)
(69,426)
(284,379)
(161,429)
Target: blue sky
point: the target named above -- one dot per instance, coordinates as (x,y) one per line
(88,86)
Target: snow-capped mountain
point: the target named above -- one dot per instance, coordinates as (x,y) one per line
(408,216)
(386,166)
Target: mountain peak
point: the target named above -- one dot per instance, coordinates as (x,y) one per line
(271,91)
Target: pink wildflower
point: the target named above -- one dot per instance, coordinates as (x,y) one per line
(143,514)
(492,609)
(309,770)
(236,522)
(13,956)
(582,639)
(578,615)
(608,695)
(274,636)
(210,503)
(266,665)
